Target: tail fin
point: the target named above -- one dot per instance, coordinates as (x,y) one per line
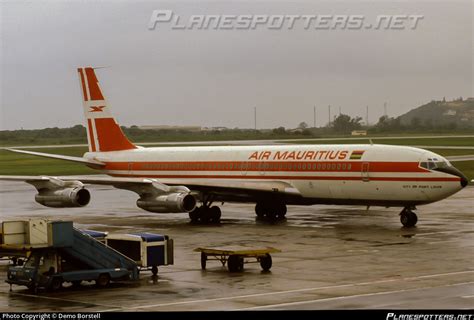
(103,133)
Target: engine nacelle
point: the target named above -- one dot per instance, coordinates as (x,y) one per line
(168,203)
(63,198)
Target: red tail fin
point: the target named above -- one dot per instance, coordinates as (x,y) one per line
(103,132)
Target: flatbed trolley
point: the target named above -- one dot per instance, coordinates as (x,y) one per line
(236,257)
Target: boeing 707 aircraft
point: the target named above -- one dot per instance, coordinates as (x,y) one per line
(192,179)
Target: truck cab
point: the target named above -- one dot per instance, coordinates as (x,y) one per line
(37,271)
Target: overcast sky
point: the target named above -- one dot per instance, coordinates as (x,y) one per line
(216,77)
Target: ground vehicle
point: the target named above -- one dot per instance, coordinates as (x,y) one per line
(236,257)
(49,268)
(58,253)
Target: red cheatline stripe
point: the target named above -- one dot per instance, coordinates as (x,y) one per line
(273,166)
(91,134)
(83,84)
(247,177)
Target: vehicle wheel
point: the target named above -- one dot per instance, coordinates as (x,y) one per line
(154,270)
(203,261)
(56,284)
(215,214)
(266,262)
(408,219)
(241,264)
(235,263)
(76,283)
(103,280)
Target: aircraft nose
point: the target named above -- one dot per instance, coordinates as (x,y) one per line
(455,172)
(464,181)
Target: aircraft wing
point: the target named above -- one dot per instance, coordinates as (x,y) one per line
(221,189)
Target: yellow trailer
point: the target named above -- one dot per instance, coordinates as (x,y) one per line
(237,256)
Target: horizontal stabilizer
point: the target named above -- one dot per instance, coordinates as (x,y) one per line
(60,157)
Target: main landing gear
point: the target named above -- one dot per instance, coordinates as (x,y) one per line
(206,213)
(271,210)
(408,218)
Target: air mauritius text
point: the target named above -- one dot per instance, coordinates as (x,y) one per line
(167,18)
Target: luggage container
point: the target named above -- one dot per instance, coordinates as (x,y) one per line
(148,250)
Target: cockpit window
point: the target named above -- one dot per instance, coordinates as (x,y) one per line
(434,163)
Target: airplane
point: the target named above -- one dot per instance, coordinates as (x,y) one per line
(177,179)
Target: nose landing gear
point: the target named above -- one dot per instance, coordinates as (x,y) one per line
(408,218)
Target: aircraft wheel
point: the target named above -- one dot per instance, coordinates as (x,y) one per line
(281,210)
(205,214)
(215,214)
(203,261)
(408,218)
(194,215)
(260,210)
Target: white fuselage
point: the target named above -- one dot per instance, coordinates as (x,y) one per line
(331,174)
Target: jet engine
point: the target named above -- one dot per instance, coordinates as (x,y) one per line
(63,198)
(168,203)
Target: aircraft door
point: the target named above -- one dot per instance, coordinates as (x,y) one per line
(365,172)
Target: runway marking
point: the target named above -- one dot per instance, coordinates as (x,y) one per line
(441,232)
(58,299)
(286,291)
(296,303)
(445,241)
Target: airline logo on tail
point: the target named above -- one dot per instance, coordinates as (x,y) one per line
(96,109)
(103,132)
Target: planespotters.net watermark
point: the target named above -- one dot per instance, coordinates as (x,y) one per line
(430,315)
(168,19)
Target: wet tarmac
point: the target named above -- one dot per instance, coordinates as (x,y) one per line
(332,257)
